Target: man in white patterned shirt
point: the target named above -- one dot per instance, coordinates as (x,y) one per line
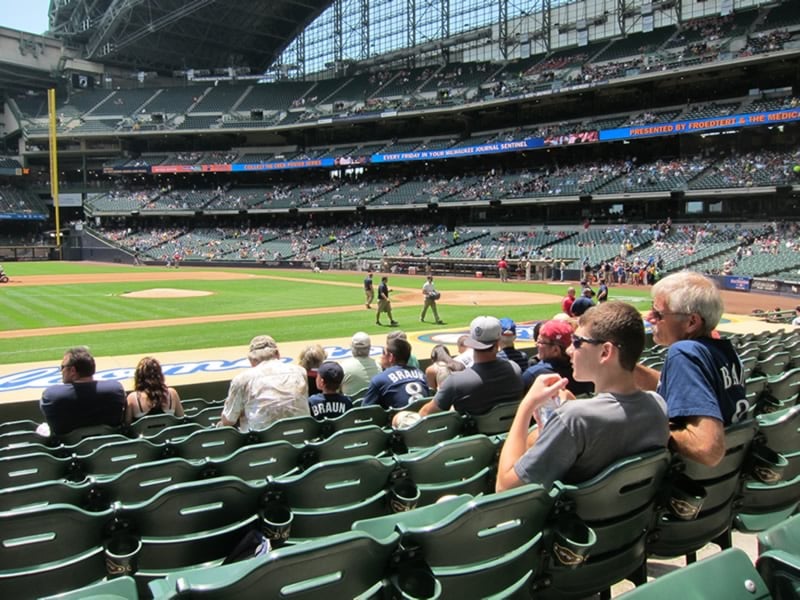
(270,390)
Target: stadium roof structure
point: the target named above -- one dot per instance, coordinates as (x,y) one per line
(172,35)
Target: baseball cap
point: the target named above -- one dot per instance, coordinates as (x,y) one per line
(483,333)
(559,332)
(361,340)
(508,326)
(262,341)
(331,372)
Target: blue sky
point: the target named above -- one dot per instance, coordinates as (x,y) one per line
(25,15)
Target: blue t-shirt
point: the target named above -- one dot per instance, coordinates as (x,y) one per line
(396,387)
(581,305)
(328,405)
(703,378)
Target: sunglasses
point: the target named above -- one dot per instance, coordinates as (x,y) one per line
(658,315)
(579,340)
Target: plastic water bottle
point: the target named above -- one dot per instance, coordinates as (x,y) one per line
(547,409)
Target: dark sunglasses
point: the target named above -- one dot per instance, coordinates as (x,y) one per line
(579,340)
(658,315)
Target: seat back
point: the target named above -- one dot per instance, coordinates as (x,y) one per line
(295,430)
(485,546)
(459,466)
(346,565)
(673,536)
(497,420)
(785,386)
(619,505)
(46,493)
(206,417)
(773,364)
(431,430)
(781,429)
(50,549)
(369,440)
(187,524)
(150,425)
(360,416)
(728,574)
(208,443)
(32,468)
(111,459)
(141,482)
(330,495)
(256,462)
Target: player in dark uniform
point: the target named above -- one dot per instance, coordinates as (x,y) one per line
(369,291)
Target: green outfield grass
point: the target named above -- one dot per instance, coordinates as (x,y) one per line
(34,307)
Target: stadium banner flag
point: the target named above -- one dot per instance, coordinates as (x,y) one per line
(772,117)
(493,148)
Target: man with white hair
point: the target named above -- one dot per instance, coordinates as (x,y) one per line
(360,368)
(269,390)
(701,379)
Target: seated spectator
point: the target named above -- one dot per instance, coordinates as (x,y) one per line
(329,403)
(507,349)
(269,390)
(552,342)
(399,384)
(150,395)
(311,357)
(465,354)
(400,334)
(360,368)
(701,379)
(584,303)
(582,437)
(80,401)
(441,367)
(796,320)
(488,382)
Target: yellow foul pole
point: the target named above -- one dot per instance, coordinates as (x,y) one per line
(51,108)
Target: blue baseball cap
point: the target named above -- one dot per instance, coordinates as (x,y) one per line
(508,326)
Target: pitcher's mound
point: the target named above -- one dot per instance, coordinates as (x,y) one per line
(166,293)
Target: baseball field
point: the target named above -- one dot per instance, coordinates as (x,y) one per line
(192,314)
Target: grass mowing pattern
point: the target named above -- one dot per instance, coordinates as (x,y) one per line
(50,306)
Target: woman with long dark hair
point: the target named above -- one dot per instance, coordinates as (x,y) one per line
(151,395)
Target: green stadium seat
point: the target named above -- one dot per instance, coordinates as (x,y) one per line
(497,420)
(15,426)
(384,526)
(673,536)
(295,430)
(346,565)
(728,574)
(330,496)
(49,550)
(784,388)
(33,468)
(429,431)
(355,417)
(150,425)
(208,443)
(141,482)
(619,504)
(779,559)
(460,466)
(256,462)
(46,493)
(370,440)
(121,588)
(111,459)
(190,524)
(489,547)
